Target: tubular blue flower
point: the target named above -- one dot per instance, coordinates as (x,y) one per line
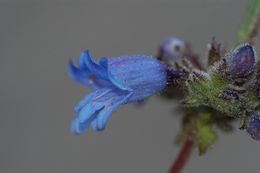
(242,61)
(114,82)
(253,125)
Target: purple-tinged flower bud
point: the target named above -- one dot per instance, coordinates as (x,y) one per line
(241,62)
(253,125)
(173,76)
(172,48)
(229,95)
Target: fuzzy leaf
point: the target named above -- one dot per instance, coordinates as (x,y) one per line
(206,136)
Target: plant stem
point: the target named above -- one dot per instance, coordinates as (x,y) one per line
(250,25)
(183,157)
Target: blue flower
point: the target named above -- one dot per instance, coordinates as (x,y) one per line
(114,82)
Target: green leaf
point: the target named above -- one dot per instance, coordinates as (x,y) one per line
(206,136)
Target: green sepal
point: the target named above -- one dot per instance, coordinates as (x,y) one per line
(205,134)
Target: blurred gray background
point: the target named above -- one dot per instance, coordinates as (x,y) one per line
(37,96)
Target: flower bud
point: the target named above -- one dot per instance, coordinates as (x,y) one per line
(241,62)
(172,48)
(253,125)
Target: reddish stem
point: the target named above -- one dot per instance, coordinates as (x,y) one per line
(182,157)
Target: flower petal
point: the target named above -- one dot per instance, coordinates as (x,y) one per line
(93,67)
(83,102)
(78,127)
(142,75)
(103,116)
(89,110)
(98,106)
(105,63)
(90,105)
(81,61)
(83,75)
(78,75)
